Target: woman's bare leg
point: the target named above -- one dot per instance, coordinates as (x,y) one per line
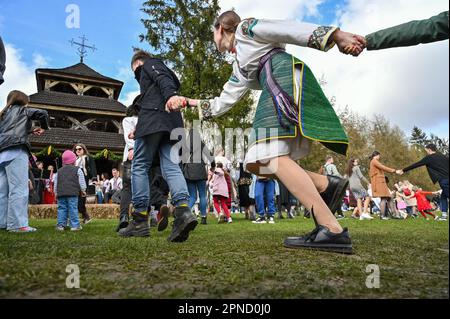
(300,184)
(366,205)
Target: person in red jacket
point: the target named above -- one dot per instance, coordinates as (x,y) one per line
(423,205)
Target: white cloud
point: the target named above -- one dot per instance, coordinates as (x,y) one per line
(129,97)
(19,75)
(280,9)
(408,85)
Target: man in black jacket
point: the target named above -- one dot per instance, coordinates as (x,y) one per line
(438,168)
(2,60)
(159,85)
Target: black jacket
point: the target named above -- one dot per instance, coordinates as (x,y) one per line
(15,125)
(158,84)
(437,165)
(2,60)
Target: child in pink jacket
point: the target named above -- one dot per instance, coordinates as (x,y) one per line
(220,191)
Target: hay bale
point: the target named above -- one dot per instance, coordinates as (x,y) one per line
(104,211)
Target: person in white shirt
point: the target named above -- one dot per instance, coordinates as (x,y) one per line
(115,185)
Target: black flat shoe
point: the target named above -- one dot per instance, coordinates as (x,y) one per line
(322,239)
(335,192)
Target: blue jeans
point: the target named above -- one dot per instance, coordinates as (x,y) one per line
(444,196)
(193,187)
(99,197)
(265,189)
(14,192)
(68,208)
(145,149)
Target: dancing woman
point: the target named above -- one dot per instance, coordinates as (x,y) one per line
(292,104)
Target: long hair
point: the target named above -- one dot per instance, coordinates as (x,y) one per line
(350,166)
(375,153)
(15,98)
(83,147)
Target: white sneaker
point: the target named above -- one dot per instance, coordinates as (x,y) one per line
(59,228)
(442,219)
(230,221)
(76,228)
(260,220)
(365,216)
(271,220)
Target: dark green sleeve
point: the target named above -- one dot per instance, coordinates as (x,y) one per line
(410,33)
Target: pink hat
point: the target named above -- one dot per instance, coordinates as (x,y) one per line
(68,157)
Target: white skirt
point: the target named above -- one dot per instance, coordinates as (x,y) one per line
(296,148)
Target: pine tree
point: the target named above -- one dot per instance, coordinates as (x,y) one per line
(179,32)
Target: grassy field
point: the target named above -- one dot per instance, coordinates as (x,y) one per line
(241,260)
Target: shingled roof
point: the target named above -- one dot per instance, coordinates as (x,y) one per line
(93,140)
(77,101)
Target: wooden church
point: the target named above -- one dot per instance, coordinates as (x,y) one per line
(83,107)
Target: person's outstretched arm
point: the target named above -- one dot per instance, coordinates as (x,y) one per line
(309,35)
(411,33)
(232,92)
(418,164)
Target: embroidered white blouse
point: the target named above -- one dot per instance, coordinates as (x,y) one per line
(255,38)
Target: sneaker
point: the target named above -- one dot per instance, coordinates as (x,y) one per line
(27,229)
(335,192)
(76,228)
(163,218)
(271,220)
(60,228)
(442,219)
(136,228)
(384,218)
(322,239)
(260,220)
(229,221)
(365,216)
(184,223)
(340,217)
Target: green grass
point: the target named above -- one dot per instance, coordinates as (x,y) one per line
(241,260)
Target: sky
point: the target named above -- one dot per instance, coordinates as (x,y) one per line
(409,86)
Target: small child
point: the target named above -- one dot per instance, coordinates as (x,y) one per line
(423,205)
(220,192)
(69,182)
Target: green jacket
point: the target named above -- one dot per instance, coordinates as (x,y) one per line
(410,33)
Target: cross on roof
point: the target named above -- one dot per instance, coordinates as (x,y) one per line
(82,47)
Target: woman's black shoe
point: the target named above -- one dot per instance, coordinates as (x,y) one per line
(322,239)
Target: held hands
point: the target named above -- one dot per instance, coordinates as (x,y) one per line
(175,103)
(399,172)
(130,155)
(349,43)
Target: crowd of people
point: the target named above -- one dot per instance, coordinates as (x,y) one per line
(152,171)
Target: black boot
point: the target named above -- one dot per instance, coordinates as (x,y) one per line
(163,218)
(203,221)
(184,223)
(138,227)
(335,192)
(322,239)
(123,222)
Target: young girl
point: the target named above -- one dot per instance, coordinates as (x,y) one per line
(293,105)
(423,205)
(360,193)
(220,192)
(15,126)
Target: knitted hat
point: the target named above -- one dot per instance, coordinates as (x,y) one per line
(68,157)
